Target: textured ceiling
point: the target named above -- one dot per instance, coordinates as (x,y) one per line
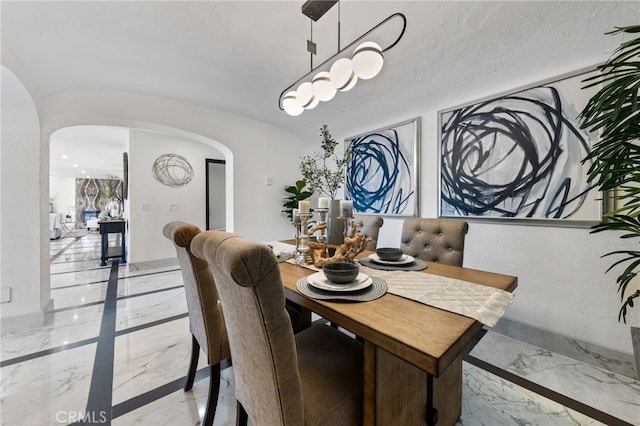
(239,55)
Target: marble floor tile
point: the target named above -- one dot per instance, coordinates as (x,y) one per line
(490,400)
(79,295)
(46,390)
(147,359)
(604,390)
(591,353)
(68,257)
(86,276)
(186,408)
(157,306)
(61,329)
(137,284)
(71,294)
(57,268)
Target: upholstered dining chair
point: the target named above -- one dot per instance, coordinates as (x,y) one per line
(311,378)
(434,240)
(206,321)
(370,227)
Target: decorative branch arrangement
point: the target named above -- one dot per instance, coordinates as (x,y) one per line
(347,252)
(315,167)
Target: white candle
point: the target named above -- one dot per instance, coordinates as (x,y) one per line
(346,207)
(296,215)
(304,206)
(323,203)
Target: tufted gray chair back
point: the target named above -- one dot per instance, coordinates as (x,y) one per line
(370,227)
(434,240)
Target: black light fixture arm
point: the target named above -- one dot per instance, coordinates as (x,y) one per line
(393,16)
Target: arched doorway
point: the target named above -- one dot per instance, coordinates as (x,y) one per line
(150,204)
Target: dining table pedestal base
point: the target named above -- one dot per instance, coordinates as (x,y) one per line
(396,392)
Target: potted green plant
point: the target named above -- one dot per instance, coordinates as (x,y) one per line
(614,111)
(324,172)
(297,194)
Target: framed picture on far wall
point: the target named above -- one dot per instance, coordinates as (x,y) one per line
(518,156)
(382,177)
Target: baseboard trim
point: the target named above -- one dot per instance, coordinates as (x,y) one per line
(23,322)
(152,264)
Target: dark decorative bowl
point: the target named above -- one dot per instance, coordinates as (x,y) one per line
(389,254)
(341,272)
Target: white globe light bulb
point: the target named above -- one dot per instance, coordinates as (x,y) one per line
(306,98)
(367,60)
(343,77)
(322,87)
(290,104)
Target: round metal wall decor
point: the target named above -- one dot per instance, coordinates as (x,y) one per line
(172,170)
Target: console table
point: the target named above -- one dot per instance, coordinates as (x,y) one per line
(112,227)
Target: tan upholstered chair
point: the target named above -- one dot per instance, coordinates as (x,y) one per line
(434,240)
(312,378)
(370,227)
(206,322)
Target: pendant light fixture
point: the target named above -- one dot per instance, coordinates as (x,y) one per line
(340,72)
(343,77)
(367,60)
(322,87)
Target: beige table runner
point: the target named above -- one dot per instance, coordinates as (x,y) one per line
(480,302)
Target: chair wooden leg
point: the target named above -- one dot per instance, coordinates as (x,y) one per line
(242,419)
(193,366)
(212,399)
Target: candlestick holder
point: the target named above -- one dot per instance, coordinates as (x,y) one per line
(322,212)
(296,251)
(304,251)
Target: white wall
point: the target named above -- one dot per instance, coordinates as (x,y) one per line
(23,226)
(63,192)
(149,199)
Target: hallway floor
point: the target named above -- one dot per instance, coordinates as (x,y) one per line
(117,346)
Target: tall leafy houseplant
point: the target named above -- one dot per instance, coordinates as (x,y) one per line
(325,171)
(296,193)
(614,111)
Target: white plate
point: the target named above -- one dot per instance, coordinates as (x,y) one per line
(404,260)
(318,280)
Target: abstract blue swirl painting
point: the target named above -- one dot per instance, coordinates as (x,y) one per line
(382,175)
(519,156)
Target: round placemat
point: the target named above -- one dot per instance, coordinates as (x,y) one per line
(417,265)
(378,288)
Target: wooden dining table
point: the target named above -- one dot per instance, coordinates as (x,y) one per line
(412,352)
